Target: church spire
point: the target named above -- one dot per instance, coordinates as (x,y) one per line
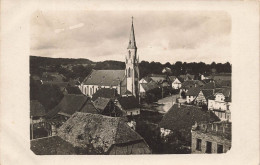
(132,44)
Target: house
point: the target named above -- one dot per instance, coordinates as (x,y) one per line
(98,134)
(192,94)
(71,104)
(72,90)
(67,107)
(145,87)
(145,80)
(211,137)
(186,85)
(105,93)
(182,117)
(124,81)
(107,107)
(175,82)
(37,112)
(129,105)
(158,78)
(220,103)
(99,79)
(202,97)
(52,145)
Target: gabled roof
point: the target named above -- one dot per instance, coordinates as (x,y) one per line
(52,145)
(147,79)
(207,92)
(73,90)
(149,86)
(89,108)
(105,93)
(36,109)
(104,77)
(97,132)
(194,91)
(101,103)
(129,102)
(172,78)
(69,105)
(185,116)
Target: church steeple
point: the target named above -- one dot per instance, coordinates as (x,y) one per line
(132,70)
(132,44)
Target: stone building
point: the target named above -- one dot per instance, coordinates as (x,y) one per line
(211,137)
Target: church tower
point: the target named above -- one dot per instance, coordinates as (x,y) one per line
(132,70)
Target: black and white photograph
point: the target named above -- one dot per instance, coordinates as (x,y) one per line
(120,83)
(129,82)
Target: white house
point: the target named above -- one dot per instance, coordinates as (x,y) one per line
(176,84)
(220,105)
(192,94)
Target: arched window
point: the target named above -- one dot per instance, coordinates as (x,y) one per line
(129,72)
(129,52)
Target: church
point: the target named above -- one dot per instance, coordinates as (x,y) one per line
(126,82)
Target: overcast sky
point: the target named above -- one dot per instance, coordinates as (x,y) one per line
(167,36)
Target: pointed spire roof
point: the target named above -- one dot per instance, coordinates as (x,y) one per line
(132,44)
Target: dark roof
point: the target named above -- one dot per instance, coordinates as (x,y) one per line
(172,78)
(53,145)
(188,83)
(89,108)
(185,116)
(187,77)
(101,103)
(73,90)
(97,132)
(194,91)
(53,83)
(149,86)
(104,77)
(224,83)
(68,105)
(207,93)
(147,79)
(129,102)
(36,109)
(105,93)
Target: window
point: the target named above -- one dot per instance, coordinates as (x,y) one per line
(220,148)
(198,145)
(208,147)
(129,72)
(129,52)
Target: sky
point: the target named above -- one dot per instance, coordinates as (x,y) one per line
(161,36)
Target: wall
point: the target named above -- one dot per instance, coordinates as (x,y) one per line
(211,138)
(189,99)
(135,111)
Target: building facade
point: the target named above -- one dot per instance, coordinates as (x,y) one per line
(211,137)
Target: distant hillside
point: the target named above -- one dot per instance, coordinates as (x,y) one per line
(47,61)
(107,65)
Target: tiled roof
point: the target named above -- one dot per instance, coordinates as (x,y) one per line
(208,92)
(36,109)
(69,105)
(149,86)
(105,77)
(185,116)
(129,102)
(105,93)
(73,90)
(194,91)
(101,103)
(97,132)
(53,145)
(89,108)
